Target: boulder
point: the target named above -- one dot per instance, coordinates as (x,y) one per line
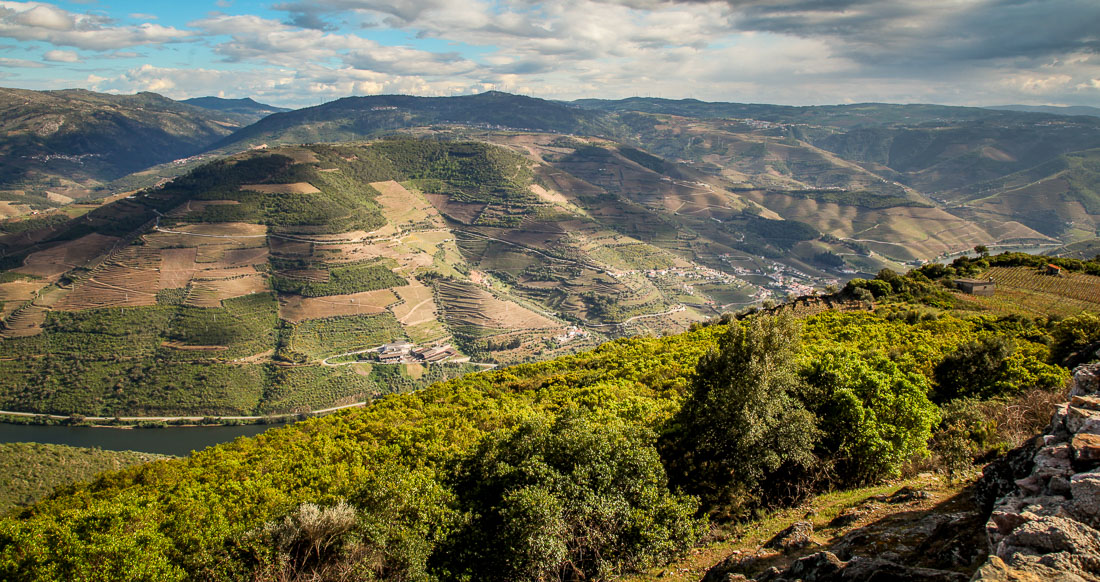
(1089,402)
(847,517)
(1079,419)
(999,477)
(1085,490)
(1045,534)
(827,567)
(794,537)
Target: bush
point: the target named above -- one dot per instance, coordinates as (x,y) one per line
(1076,340)
(873,416)
(576,499)
(977,369)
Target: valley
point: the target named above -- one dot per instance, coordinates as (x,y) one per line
(257,270)
(584,291)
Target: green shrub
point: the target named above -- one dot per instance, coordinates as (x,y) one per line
(873,417)
(578,498)
(1076,340)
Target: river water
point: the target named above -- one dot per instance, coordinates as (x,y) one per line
(177,441)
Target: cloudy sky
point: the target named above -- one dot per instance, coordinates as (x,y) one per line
(297,52)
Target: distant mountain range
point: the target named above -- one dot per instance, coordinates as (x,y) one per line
(870,157)
(73,141)
(1054,109)
(245,110)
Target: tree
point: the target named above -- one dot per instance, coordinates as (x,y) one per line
(982,250)
(742,422)
(579,498)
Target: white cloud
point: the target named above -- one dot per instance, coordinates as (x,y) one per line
(44,22)
(21,63)
(59,56)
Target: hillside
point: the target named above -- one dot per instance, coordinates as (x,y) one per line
(245,111)
(354,118)
(268,282)
(62,145)
(409,486)
(1063,195)
(898,161)
(35,470)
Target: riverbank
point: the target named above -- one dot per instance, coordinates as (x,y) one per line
(129,422)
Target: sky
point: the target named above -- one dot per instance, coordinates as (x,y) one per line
(799,52)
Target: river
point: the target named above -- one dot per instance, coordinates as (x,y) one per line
(177,441)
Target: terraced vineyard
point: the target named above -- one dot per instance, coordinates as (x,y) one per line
(1030,291)
(248,274)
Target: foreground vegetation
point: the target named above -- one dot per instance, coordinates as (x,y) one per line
(581,464)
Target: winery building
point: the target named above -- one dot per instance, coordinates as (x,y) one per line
(975,286)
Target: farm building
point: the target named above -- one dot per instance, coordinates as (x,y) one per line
(400,347)
(1054,270)
(975,286)
(391,357)
(436,354)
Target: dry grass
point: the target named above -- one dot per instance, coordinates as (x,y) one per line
(197,206)
(9,209)
(177,267)
(295,188)
(404,207)
(465,304)
(211,293)
(296,308)
(464,212)
(53,262)
(130,278)
(418,305)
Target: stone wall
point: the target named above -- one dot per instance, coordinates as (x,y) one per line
(1045,496)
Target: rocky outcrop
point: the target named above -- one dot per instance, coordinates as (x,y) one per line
(827,567)
(795,537)
(1044,497)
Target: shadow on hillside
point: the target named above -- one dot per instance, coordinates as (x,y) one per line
(943,534)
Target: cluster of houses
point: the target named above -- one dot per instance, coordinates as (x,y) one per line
(571,334)
(406,352)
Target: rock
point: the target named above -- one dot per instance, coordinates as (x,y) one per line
(847,517)
(1086,447)
(1048,535)
(819,566)
(1003,522)
(794,537)
(1044,526)
(827,567)
(1089,402)
(907,494)
(1077,419)
(1053,461)
(1086,381)
(860,569)
(998,478)
(1085,490)
(996,570)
